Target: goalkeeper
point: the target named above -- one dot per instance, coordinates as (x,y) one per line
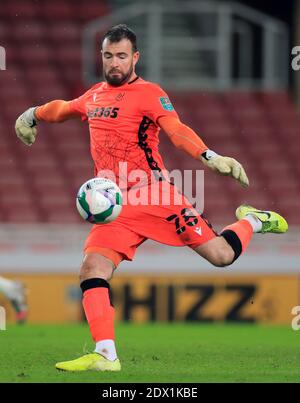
(125,114)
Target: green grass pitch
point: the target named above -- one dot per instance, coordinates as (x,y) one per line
(156,353)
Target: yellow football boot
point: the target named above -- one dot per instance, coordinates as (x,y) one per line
(271,221)
(89,362)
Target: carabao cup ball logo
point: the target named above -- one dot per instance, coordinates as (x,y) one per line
(99,201)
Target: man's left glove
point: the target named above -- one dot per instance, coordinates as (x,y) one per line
(26,127)
(225,166)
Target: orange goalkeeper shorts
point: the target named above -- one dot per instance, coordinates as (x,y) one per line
(175,224)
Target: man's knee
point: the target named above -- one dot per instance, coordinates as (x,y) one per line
(222,257)
(217,251)
(95,265)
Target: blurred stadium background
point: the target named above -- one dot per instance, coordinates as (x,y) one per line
(227,68)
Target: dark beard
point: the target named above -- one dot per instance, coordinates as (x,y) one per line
(117,81)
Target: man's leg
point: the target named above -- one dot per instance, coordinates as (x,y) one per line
(95,274)
(105,247)
(224,249)
(16,293)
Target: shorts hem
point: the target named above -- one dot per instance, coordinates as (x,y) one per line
(111,254)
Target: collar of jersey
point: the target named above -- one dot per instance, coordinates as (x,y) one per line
(122,86)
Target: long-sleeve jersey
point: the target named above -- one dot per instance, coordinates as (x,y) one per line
(124,125)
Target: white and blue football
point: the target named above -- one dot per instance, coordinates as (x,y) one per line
(99,201)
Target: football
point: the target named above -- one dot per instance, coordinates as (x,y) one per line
(99,201)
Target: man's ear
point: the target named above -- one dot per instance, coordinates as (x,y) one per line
(136,57)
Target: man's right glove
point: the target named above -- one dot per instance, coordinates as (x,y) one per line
(26,127)
(225,166)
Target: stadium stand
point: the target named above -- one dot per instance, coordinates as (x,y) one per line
(251,126)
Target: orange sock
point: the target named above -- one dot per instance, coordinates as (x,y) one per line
(238,236)
(98,308)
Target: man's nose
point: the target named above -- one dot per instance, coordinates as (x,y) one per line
(114,62)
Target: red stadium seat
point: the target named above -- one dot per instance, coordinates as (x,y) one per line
(285,118)
(4,30)
(40,76)
(77,164)
(280,179)
(22,215)
(49,191)
(259,200)
(72,74)
(68,32)
(44,93)
(266,149)
(250,121)
(230,149)
(29,31)
(241,99)
(18,9)
(39,162)
(288,188)
(39,54)
(79,176)
(94,10)
(63,216)
(11,76)
(289,207)
(19,197)
(208,115)
(57,10)
(12,177)
(276,99)
(217,217)
(53,201)
(290,133)
(9,94)
(5,152)
(262,131)
(216,128)
(70,55)
(207,98)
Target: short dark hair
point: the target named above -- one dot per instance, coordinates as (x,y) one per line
(119,32)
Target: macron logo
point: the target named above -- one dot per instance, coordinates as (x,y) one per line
(198,230)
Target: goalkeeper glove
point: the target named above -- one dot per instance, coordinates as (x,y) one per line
(225,166)
(26,127)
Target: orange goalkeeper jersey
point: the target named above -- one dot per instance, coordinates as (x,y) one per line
(123,128)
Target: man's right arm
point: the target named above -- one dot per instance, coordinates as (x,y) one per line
(55,111)
(52,112)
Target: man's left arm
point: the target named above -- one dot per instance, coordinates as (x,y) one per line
(184,138)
